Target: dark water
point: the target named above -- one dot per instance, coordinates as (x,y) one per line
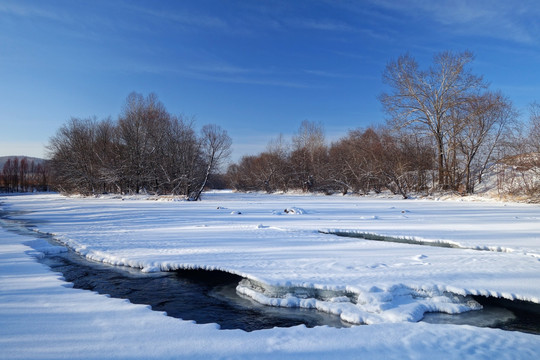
(375,237)
(527,315)
(496,313)
(199,295)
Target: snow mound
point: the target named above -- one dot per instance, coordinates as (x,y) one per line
(294,211)
(397,304)
(369,217)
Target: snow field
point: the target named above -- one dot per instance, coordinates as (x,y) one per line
(248,235)
(41,317)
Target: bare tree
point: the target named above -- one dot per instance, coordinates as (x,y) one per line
(181,157)
(528,162)
(425,98)
(485,120)
(354,161)
(310,155)
(216,147)
(107,154)
(534,127)
(23,174)
(72,152)
(277,163)
(269,171)
(142,128)
(10,173)
(404,163)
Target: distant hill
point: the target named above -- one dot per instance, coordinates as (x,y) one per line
(4,159)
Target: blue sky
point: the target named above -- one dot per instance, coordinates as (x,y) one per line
(256,68)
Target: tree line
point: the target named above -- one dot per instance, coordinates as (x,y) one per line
(24,175)
(364,161)
(444,130)
(146,150)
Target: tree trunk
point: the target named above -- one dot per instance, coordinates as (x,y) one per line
(440,160)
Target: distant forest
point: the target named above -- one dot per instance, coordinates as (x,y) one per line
(445,130)
(23,174)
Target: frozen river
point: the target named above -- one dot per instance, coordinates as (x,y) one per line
(291,263)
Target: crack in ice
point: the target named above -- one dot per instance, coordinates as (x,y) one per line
(416,241)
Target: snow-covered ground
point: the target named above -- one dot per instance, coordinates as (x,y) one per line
(276,242)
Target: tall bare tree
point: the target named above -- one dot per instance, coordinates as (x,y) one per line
(532,159)
(277,164)
(142,128)
(309,156)
(216,147)
(484,121)
(181,157)
(10,174)
(425,98)
(72,152)
(534,127)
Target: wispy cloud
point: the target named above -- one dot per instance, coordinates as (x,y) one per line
(220,68)
(188,20)
(25,10)
(334,26)
(498,19)
(332,75)
(321,24)
(224,73)
(326,74)
(90,23)
(242,79)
